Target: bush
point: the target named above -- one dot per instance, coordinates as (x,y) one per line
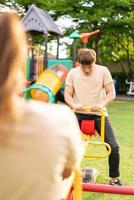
(120,79)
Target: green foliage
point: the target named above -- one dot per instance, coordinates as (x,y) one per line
(114,18)
(2,1)
(121,77)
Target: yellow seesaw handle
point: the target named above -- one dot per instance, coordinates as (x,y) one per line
(102,135)
(102,121)
(97,155)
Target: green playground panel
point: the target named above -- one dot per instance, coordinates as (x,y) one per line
(28,68)
(66,62)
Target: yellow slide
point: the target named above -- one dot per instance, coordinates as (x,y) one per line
(48,84)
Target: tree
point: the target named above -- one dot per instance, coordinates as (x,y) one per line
(115,19)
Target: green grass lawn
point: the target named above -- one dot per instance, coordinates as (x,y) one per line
(121,114)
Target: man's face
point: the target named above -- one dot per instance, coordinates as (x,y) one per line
(86,69)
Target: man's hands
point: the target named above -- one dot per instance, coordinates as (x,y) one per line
(96,107)
(78,107)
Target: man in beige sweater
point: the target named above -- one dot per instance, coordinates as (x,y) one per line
(91,85)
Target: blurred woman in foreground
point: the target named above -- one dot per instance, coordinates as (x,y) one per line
(38,142)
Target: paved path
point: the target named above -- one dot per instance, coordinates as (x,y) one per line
(125,97)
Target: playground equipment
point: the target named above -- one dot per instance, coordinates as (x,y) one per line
(131,87)
(35,63)
(39,22)
(87,132)
(74,185)
(103,188)
(47,84)
(84,36)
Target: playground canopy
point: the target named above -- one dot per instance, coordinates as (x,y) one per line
(40,21)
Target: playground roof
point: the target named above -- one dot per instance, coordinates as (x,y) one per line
(74,35)
(40,21)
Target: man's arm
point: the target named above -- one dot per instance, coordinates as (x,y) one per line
(68,93)
(68,96)
(110,95)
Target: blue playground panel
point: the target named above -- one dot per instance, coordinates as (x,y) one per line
(68,63)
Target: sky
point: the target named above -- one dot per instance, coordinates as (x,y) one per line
(62,48)
(4,8)
(52,46)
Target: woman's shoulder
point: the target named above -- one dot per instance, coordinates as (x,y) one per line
(51,117)
(47,110)
(39,106)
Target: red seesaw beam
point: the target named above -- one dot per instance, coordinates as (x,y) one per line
(102,188)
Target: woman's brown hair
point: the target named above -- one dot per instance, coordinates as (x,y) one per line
(12,44)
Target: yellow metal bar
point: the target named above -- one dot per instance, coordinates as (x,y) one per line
(102,125)
(102,122)
(77,186)
(75,179)
(75,182)
(97,155)
(84,136)
(68,183)
(102,135)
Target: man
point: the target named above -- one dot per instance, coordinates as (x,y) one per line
(91,85)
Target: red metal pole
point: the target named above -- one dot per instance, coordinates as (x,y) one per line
(102,188)
(70,196)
